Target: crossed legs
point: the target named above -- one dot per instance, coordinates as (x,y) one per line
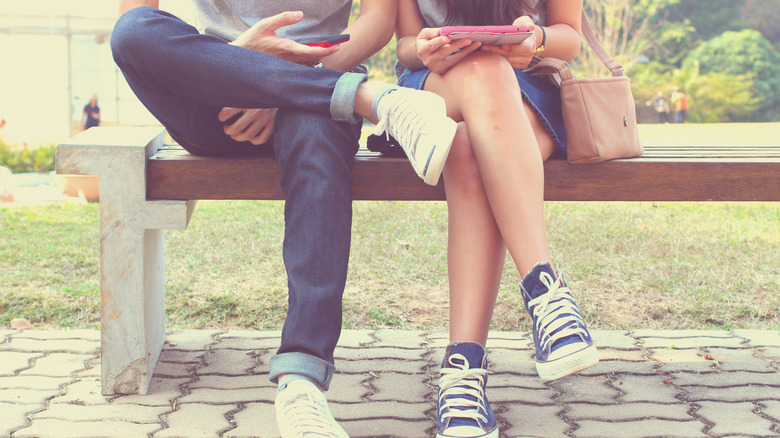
(494,182)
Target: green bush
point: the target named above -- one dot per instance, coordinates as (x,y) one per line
(27,159)
(740,53)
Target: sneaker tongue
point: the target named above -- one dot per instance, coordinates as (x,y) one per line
(472,351)
(533,284)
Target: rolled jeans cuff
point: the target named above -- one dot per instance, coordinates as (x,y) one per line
(316,369)
(342,104)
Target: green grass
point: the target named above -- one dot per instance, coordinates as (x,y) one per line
(630,265)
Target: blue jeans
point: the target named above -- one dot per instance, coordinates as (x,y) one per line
(185,78)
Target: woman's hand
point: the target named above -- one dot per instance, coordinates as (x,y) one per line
(439,53)
(261,37)
(255,125)
(518,55)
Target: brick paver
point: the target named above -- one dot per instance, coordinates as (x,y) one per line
(642,428)
(79,429)
(734,419)
(211,383)
(12,362)
(197,420)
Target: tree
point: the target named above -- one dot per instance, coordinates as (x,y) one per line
(710,18)
(740,53)
(627,29)
(763,15)
(717,97)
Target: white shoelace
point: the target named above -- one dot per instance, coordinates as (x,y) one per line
(308,417)
(404,121)
(462,380)
(553,310)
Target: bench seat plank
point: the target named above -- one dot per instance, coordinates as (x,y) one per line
(662,174)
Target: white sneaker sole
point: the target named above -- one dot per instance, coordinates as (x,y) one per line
(434,163)
(568,365)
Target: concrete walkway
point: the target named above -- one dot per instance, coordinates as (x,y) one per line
(214,384)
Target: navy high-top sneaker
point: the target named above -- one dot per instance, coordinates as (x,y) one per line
(464,410)
(563,344)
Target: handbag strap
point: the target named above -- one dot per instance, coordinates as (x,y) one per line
(549,65)
(598,49)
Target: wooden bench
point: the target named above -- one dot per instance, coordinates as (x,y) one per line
(147,187)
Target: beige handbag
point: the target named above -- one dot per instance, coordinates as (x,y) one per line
(599,114)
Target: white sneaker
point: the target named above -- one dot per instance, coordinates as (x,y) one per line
(418,121)
(302,412)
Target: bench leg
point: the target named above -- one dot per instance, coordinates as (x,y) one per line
(132,258)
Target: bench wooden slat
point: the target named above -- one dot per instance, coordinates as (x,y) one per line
(729,174)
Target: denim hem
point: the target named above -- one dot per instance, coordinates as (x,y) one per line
(342,104)
(316,369)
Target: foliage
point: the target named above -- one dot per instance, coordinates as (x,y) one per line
(717,96)
(713,97)
(381,66)
(27,159)
(628,30)
(737,53)
(710,18)
(763,15)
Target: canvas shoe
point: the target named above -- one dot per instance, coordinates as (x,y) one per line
(563,344)
(418,121)
(463,408)
(302,412)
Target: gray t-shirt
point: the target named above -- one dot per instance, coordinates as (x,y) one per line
(227,19)
(434,12)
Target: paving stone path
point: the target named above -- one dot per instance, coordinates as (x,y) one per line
(214,384)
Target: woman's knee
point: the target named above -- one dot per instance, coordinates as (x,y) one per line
(489,68)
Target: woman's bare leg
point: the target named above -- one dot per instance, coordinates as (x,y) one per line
(482,91)
(476,251)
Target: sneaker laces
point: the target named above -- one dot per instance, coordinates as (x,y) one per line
(555,314)
(462,387)
(308,417)
(404,121)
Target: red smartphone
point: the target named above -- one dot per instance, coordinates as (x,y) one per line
(491,35)
(324,41)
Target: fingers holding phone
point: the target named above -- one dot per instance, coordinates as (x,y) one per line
(262,37)
(329,42)
(439,52)
(324,41)
(517,45)
(254,125)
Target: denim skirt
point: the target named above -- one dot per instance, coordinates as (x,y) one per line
(540,94)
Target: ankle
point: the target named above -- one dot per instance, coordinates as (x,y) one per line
(287,378)
(368,96)
(537,267)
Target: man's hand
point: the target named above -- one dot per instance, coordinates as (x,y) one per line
(262,38)
(440,53)
(255,125)
(518,55)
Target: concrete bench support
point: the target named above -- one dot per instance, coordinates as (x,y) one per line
(132,259)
